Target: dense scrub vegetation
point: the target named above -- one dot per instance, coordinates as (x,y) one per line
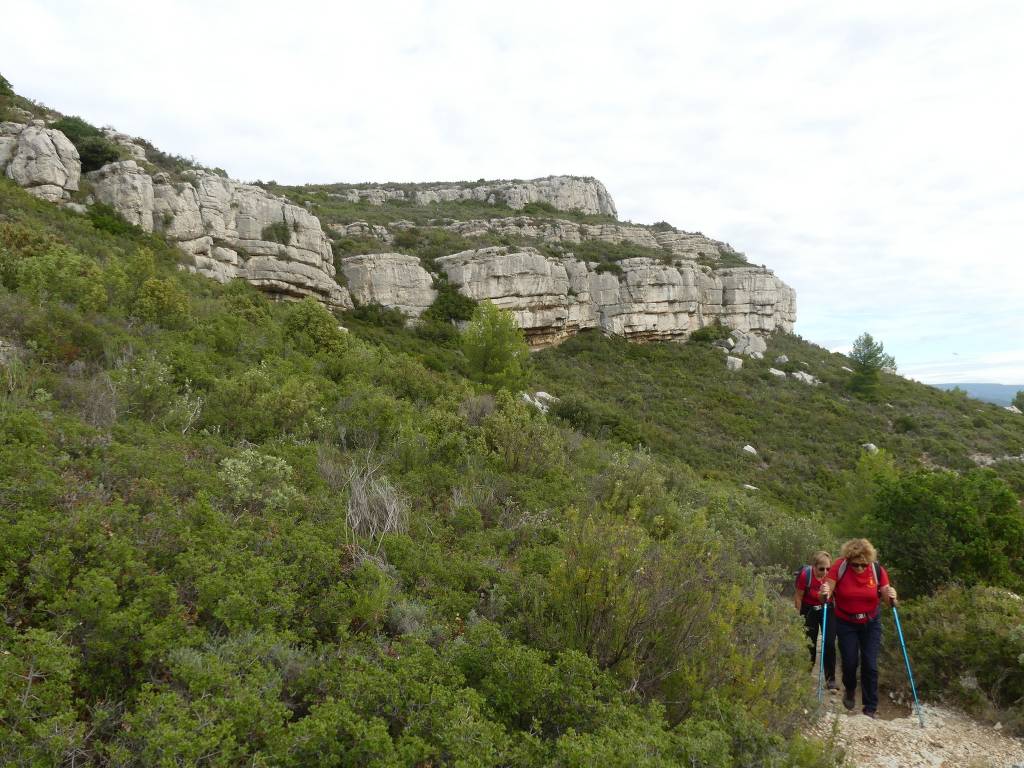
(231,533)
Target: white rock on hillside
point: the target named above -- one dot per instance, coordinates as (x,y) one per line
(747,343)
(806,378)
(40,159)
(733,363)
(137,151)
(391,280)
(777,373)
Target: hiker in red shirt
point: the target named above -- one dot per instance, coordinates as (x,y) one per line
(809,603)
(857,584)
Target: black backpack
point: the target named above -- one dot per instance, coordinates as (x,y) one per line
(807,571)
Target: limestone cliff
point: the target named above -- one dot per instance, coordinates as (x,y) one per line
(565,193)
(555,298)
(227,229)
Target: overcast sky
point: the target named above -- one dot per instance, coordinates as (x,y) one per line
(869,153)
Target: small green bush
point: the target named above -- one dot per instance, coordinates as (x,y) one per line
(709,333)
(94,149)
(278,232)
(967,646)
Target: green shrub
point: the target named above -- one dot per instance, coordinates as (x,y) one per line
(965,646)
(711,332)
(278,232)
(162,301)
(933,528)
(495,349)
(106,219)
(94,149)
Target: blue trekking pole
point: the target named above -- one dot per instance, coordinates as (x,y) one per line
(906,659)
(821,658)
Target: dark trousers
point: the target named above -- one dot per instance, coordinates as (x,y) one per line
(858,645)
(812,624)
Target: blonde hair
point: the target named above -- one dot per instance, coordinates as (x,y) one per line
(821,556)
(857,548)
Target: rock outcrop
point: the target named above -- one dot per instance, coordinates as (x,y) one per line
(555,298)
(40,159)
(227,229)
(565,193)
(390,279)
(692,246)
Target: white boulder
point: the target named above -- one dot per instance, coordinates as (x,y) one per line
(806,378)
(40,159)
(733,363)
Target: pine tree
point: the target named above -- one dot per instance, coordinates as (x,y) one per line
(869,360)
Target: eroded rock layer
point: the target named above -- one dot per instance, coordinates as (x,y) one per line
(555,298)
(565,193)
(227,229)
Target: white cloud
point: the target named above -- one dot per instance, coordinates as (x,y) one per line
(868,153)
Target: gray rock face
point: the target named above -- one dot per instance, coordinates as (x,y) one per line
(733,363)
(554,298)
(137,151)
(691,246)
(228,229)
(128,189)
(40,159)
(566,193)
(391,280)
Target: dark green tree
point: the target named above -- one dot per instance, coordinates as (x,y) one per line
(5,87)
(1018,399)
(935,528)
(495,348)
(869,359)
(94,149)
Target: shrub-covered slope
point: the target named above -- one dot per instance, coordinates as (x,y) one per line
(231,533)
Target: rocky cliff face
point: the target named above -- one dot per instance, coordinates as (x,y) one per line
(227,229)
(566,193)
(392,280)
(40,159)
(555,298)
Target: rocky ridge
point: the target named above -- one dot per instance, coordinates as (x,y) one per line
(228,229)
(566,193)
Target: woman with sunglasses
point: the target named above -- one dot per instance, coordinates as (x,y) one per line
(857,585)
(809,603)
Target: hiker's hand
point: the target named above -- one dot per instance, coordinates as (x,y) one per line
(890,593)
(823,592)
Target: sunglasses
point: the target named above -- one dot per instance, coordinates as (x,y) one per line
(820,568)
(858,566)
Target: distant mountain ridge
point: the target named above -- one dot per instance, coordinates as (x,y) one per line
(1000,394)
